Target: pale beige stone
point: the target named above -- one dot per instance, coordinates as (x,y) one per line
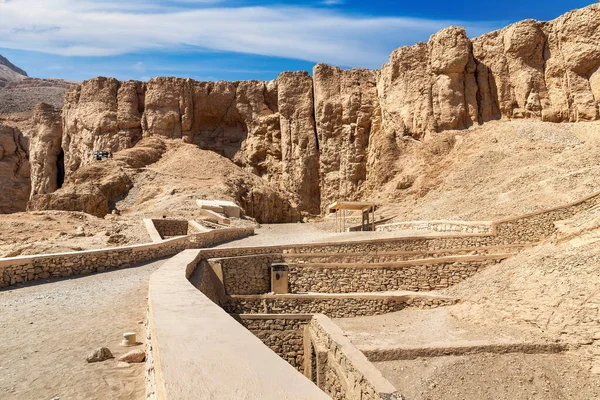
(134,356)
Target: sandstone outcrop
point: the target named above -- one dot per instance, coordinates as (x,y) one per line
(45,151)
(347,113)
(102,114)
(343,134)
(14,170)
(96,188)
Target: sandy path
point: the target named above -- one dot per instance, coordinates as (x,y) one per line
(47,330)
(322,232)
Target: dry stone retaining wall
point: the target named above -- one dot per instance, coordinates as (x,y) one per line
(284,334)
(171,227)
(337,278)
(537,226)
(396,256)
(339,368)
(438,226)
(247,274)
(23,269)
(335,307)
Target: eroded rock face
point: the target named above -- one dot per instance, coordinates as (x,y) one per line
(101,114)
(340,134)
(45,139)
(299,143)
(347,113)
(14,170)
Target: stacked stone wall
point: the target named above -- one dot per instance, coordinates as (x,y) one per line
(335,307)
(247,274)
(336,278)
(438,226)
(339,368)
(171,227)
(395,256)
(32,268)
(538,226)
(418,243)
(282,334)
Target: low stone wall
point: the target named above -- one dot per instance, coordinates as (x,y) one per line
(439,226)
(23,269)
(192,341)
(207,279)
(539,225)
(414,243)
(339,368)
(247,274)
(171,227)
(335,306)
(396,256)
(422,275)
(284,334)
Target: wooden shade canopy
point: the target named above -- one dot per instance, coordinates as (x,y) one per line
(340,208)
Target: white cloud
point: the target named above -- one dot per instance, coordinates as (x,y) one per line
(139,67)
(109,27)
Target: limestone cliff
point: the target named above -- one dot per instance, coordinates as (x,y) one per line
(45,151)
(14,170)
(343,134)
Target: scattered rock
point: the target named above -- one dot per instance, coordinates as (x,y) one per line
(123,365)
(99,355)
(134,356)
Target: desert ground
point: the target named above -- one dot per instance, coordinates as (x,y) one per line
(458,128)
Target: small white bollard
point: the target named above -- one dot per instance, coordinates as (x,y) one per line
(128,339)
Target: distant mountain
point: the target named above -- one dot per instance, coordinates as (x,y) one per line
(20,93)
(4,61)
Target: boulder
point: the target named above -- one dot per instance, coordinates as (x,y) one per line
(134,356)
(99,355)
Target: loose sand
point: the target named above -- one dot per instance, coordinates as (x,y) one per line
(47,330)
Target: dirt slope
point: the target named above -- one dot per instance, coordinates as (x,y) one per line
(501,169)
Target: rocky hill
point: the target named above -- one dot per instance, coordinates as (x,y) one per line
(19,93)
(9,72)
(352,134)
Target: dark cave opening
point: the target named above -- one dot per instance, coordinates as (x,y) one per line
(60,170)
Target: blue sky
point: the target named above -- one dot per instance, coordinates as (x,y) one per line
(234,39)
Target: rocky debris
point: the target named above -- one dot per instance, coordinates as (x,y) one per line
(99,355)
(134,356)
(14,170)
